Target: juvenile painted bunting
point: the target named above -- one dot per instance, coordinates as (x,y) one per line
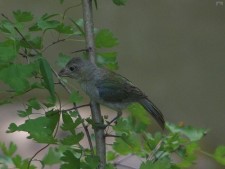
(108,88)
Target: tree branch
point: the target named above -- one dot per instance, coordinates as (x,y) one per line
(95,108)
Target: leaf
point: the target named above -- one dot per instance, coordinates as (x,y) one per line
(75,97)
(72,139)
(47,76)
(40,129)
(127,144)
(45,24)
(119,2)
(160,164)
(34,104)
(10,150)
(16,76)
(192,133)
(70,161)
(8,51)
(68,124)
(51,158)
(22,16)
(25,113)
(111,156)
(96,4)
(80,26)
(108,60)
(219,154)
(63,59)
(105,39)
(32,43)
(139,113)
(91,162)
(64,29)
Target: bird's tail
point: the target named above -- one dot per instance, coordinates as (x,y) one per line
(154,111)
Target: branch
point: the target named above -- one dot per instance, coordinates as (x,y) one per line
(95,108)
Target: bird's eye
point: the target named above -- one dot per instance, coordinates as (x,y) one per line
(71,68)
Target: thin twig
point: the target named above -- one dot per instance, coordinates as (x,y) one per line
(77,107)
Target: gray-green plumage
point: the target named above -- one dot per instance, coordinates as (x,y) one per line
(108,88)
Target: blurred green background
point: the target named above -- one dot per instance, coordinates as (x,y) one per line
(174,50)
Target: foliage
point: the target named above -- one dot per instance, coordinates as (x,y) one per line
(24,68)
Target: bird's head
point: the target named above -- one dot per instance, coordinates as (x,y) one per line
(76,68)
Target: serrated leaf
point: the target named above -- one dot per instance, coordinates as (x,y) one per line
(119,2)
(75,97)
(91,162)
(10,150)
(34,104)
(40,129)
(72,139)
(68,123)
(52,157)
(219,155)
(111,156)
(25,113)
(160,164)
(63,59)
(64,29)
(127,144)
(22,16)
(105,39)
(47,76)
(80,26)
(192,133)
(32,43)
(8,51)
(17,75)
(70,161)
(108,60)
(45,24)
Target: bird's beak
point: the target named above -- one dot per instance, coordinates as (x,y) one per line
(63,72)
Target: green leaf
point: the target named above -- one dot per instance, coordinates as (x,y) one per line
(110,166)
(8,51)
(160,164)
(127,144)
(45,24)
(16,76)
(192,133)
(91,162)
(25,113)
(70,161)
(40,129)
(63,59)
(105,39)
(219,154)
(140,114)
(108,60)
(34,104)
(119,2)
(22,16)
(64,29)
(61,1)
(72,139)
(10,150)
(68,124)
(52,157)
(111,156)
(75,97)
(32,43)
(80,26)
(47,76)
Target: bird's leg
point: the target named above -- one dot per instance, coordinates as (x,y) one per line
(119,113)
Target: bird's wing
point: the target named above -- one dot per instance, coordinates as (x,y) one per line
(116,88)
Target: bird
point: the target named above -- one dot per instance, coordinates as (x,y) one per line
(108,88)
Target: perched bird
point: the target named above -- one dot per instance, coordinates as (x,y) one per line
(108,88)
